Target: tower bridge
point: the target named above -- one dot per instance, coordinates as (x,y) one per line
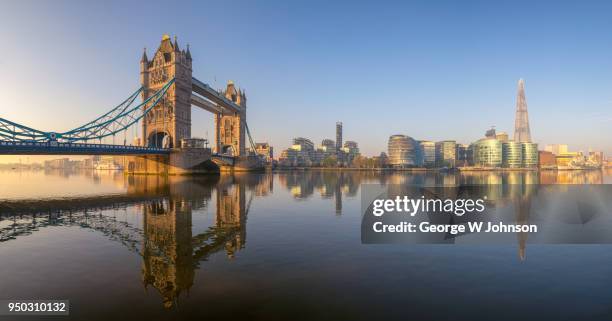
(163,118)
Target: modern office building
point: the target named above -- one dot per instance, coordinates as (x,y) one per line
(319,155)
(462,153)
(512,154)
(329,146)
(530,155)
(351,150)
(301,153)
(402,151)
(352,146)
(289,157)
(427,153)
(304,143)
(487,152)
(446,153)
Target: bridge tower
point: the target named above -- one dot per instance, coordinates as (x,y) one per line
(170,121)
(230,129)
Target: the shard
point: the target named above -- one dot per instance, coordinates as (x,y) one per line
(521,122)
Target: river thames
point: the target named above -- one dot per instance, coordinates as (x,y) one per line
(275,246)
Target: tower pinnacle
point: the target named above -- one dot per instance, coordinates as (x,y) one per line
(144,56)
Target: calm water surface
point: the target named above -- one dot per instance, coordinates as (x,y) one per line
(282,246)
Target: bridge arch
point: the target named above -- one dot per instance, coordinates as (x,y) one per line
(228,150)
(160,139)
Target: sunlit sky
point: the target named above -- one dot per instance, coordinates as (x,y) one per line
(431,70)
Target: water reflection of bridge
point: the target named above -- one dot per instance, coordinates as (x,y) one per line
(162,231)
(154,216)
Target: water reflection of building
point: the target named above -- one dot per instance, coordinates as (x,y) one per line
(513,190)
(231,215)
(168,263)
(329,184)
(171,252)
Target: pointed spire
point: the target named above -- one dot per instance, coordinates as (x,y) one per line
(144,58)
(522,134)
(176,46)
(188,52)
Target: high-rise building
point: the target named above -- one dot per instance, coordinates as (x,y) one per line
(522,134)
(338,136)
(446,153)
(402,151)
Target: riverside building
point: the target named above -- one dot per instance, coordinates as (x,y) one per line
(402,151)
(487,153)
(512,154)
(427,150)
(462,155)
(446,153)
(530,155)
(351,150)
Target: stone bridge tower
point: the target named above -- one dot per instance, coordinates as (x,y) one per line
(170,121)
(230,129)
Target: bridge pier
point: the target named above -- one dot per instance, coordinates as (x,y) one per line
(180,161)
(189,161)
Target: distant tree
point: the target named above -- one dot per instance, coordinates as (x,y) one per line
(359,162)
(330,161)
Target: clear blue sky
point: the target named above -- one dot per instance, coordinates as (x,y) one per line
(431,70)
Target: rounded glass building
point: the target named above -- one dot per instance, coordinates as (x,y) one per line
(530,155)
(402,151)
(488,153)
(512,155)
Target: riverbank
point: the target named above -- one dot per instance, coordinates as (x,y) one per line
(431,170)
